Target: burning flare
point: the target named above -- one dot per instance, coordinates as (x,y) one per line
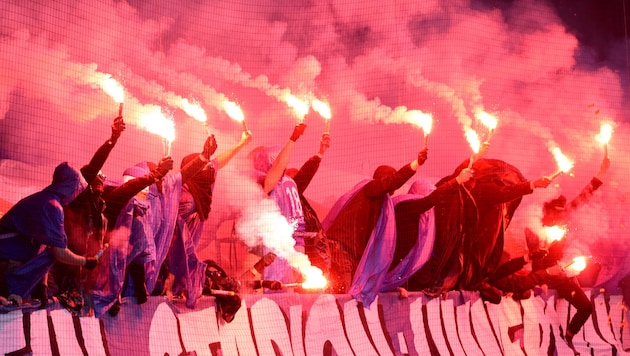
(112,88)
(554,233)
(323,109)
(156,122)
(577,265)
(564,163)
(604,135)
(422,120)
(488,120)
(300,107)
(235,113)
(194,110)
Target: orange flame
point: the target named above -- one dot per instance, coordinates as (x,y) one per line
(194,110)
(313,278)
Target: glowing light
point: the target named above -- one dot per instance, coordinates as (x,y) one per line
(157,123)
(422,120)
(488,120)
(564,163)
(194,110)
(322,108)
(473,140)
(313,278)
(605,133)
(112,88)
(577,265)
(555,233)
(300,107)
(233,111)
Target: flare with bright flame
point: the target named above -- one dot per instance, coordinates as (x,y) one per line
(577,265)
(488,120)
(112,88)
(422,120)
(323,109)
(564,163)
(156,122)
(235,113)
(554,233)
(194,110)
(605,133)
(474,142)
(300,107)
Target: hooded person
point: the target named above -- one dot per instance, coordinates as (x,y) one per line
(270,164)
(470,227)
(32,236)
(415,227)
(361,231)
(185,270)
(85,226)
(142,233)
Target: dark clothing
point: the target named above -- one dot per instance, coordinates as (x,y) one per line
(315,240)
(350,230)
(508,279)
(407,215)
(470,225)
(84,225)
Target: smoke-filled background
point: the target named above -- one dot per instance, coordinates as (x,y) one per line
(551,71)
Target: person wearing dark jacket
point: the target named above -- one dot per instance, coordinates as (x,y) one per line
(315,241)
(85,225)
(361,220)
(557,212)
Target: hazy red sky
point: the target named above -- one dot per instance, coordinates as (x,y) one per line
(550,71)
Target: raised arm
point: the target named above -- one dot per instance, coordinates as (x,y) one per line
(225,157)
(90,171)
(280,164)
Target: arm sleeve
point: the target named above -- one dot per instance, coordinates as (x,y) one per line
(378,187)
(504,194)
(415,207)
(192,167)
(306,173)
(116,200)
(586,193)
(98,160)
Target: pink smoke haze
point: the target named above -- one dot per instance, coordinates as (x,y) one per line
(371,61)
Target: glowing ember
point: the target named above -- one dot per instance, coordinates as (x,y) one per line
(473,140)
(300,107)
(564,163)
(554,233)
(577,265)
(194,110)
(112,88)
(605,133)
